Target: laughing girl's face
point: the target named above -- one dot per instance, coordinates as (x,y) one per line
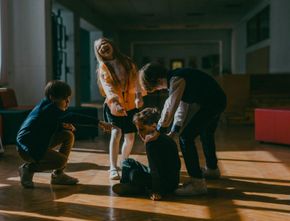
(105,50)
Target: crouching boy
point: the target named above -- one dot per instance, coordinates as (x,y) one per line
(46,137)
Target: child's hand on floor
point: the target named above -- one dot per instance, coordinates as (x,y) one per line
(68,126)
(155,196)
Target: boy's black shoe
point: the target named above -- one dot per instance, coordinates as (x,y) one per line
(26,176)
(63,179)
(125,189)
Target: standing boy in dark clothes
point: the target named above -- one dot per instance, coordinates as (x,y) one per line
(47,127)
(189,86)
(162,175)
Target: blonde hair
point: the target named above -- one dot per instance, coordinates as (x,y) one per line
(122,59)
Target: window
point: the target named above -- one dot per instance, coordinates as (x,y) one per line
(258,27)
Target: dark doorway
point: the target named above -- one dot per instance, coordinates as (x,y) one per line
(85,78)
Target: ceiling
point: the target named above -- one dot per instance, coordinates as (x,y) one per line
(172,14)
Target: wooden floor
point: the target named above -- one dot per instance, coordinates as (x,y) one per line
(255,185)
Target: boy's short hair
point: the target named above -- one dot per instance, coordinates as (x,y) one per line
(150,74)
(57,90)
(148,116)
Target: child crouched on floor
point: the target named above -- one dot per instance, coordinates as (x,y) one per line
(162,175)
(46,137)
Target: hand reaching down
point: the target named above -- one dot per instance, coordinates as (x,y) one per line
(106,127)
(118,110)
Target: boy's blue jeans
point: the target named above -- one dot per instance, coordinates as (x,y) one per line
(53,159)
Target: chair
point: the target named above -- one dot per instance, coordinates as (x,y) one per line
(84,131)
(12,115)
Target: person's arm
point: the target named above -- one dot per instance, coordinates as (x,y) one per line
(78,119)
(183,115)
(107,84)
(84,120)
(179,117)
(138,94)
(176,89)
(111,92)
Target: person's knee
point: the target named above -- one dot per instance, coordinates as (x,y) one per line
(135,177)
(129,139)
(116,133)
(68,137)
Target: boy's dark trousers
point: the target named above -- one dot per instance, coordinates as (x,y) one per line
(52,160)
(203,123)
(135,173)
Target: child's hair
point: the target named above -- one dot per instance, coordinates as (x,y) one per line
(148,116)
(57,90)
(150,74)
(99,42)
(122,59)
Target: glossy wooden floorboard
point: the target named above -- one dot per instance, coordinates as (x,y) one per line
(255,185)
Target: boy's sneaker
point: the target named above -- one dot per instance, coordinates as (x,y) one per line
(26,176)
(194,187)
(125,189)
(114,174)
(210,173)
(63,179)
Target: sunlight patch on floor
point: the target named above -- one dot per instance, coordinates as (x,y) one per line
(263,205)
(142,205)
(275,196)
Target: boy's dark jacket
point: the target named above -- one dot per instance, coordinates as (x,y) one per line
(42,122)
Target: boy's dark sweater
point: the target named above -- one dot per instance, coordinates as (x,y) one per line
(42,122)
(164,164)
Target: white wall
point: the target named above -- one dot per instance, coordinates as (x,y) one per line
(239,45)
(27,71)
(279,38)
(29,54)
(239,40)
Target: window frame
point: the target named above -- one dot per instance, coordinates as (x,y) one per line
(258,27)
